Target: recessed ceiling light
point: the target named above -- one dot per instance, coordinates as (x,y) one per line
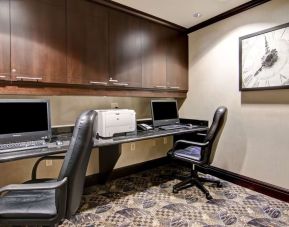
(197,14)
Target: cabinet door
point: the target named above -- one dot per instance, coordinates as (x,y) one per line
(125,49)
(87,37)
(177,61)
(154,43)
(4,40)
(38,40)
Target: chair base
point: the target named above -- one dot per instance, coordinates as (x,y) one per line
(195,180)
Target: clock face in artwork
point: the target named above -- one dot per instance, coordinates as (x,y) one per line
(265,60)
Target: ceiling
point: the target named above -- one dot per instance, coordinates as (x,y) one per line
(181,11)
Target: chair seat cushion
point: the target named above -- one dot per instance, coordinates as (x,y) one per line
(28,204)
(191,152)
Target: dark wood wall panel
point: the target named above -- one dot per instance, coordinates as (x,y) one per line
(4,40)
(38,40)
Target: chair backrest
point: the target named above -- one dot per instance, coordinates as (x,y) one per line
(76,160)
(214,133)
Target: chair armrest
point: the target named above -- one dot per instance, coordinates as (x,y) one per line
(201,134)
(190,143)
(34,170)
(36,186)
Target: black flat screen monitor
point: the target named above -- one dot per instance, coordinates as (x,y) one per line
(24,120)
(164,112)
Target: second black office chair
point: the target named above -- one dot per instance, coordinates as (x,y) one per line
(200,153)
(48,202)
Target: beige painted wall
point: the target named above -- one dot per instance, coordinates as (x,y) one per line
(255,140)
(64,110)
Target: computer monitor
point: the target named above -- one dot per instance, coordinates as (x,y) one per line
(24,120)
(164,112)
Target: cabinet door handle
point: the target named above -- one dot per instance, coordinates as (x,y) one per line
(4,75)
(112,80)
(160,87)
(28,78)
(174,87)
(120,84)
(97,83)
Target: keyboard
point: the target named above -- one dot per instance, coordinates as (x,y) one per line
(172,127)
(10,147)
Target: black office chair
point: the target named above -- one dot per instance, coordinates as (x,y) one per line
(49,202)
(200,153)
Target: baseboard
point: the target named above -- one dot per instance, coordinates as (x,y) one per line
(127,170)
(247,182)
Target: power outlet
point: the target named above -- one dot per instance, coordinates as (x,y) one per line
(132,146)
(48,163)
(114,105)
(165,140)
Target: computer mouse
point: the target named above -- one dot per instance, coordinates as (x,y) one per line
(59,142)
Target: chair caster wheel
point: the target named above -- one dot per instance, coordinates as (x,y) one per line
(209,197)
(219,185)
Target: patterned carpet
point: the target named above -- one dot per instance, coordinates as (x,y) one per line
(146,199)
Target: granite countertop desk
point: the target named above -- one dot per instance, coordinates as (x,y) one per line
(109,149)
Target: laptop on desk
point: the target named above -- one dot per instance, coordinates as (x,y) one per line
(165,115)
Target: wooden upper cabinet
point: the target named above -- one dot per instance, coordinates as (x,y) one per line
(87,43)
(125,49)
(4,40)
(154,46)
(81,42)
(38,40)
(177,61)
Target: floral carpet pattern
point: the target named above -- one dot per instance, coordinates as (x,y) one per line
(146,199)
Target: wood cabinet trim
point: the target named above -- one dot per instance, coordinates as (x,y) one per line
(138,13)
(41,89)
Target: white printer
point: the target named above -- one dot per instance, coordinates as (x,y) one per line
(114,121)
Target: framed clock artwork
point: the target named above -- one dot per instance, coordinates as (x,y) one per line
(264,59)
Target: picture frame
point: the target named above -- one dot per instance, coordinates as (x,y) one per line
(264,59)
